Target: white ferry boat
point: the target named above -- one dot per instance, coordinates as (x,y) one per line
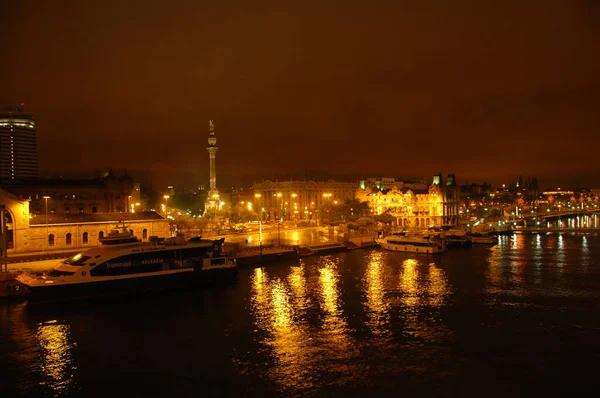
(411,243)
(123,264)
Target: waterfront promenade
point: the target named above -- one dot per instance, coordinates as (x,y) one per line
(276,246)
(245,247)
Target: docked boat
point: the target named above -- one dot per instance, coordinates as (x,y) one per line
(453,231)
(123,264)
(483,238)
(452,235)
(411,243)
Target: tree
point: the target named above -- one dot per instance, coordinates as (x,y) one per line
(385,218)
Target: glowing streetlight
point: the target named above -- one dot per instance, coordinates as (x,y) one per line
(260,236)
(280,206)
(166,197)
(295,205)
(326,197)
(259,198)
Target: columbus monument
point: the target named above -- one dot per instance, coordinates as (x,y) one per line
(213,201)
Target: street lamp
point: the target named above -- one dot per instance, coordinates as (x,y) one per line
(280,207)
(257,196)
(326,196)
(260,236)
(47,242)
(295,205)
(166,197)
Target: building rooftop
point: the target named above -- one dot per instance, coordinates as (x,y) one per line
(40,219)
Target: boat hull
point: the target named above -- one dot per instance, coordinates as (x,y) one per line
(487,240)
(409,248)
(133,286)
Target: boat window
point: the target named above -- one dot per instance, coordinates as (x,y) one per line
(77,259)
(55,273)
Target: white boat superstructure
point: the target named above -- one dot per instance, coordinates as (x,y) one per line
(453,231)
(412,243)
(124,263)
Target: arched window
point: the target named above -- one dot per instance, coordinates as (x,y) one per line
(84,238)
(100,234)
(144,234)
(68,238)
(51,240)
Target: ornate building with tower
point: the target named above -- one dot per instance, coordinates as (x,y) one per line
(415,205)
(213,201)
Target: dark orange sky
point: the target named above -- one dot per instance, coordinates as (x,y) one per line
(486,90)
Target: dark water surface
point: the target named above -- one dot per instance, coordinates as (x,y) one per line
(518,319)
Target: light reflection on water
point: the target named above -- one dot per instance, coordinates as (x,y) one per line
(45,349)
(299,347)
(582,221)
(538,264)
(54,338)
(274,315)
(377,306)
(308,352)
(408,283)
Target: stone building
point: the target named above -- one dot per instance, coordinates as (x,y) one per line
(299,200)
(413,205)
(106,194)
(25,232)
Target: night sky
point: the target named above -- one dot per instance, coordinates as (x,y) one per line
(488,90)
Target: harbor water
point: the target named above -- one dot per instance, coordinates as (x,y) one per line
(519,318)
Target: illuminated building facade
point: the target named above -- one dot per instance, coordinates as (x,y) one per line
(298,200)
(107,194)
(18,146)
(26,232)
(415,205)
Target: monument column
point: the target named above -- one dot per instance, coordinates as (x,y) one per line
(212,201)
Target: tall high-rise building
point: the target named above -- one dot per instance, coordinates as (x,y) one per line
(18,146)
